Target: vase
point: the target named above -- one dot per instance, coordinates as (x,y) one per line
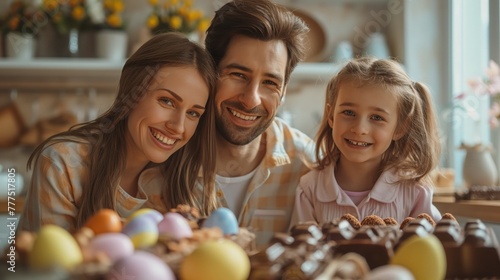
(70,46)
(112,44)
(479,167)
(20,46)
(495,141)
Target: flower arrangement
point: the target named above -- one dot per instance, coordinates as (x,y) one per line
(106,14)
(19,18)
(66,14)
(176,15)
(490,86)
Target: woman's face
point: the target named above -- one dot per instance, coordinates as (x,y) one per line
(167,115)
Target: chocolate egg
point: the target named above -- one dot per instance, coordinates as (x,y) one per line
(175,226)
(224,219)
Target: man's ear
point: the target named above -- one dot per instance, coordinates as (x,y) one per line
(329,114)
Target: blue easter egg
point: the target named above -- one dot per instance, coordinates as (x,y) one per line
(224,219)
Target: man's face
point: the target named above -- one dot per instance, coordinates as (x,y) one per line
(250,88)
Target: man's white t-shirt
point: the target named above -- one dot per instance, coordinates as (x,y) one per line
(234,189)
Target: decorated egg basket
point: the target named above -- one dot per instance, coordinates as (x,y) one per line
(181,245)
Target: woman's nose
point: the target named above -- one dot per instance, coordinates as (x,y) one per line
(175,123)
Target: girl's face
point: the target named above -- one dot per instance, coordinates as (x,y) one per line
(364,122)
(167,115)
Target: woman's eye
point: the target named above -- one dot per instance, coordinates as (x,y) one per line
(194,114)
(166,101)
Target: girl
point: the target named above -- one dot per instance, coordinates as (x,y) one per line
(138,153)
(376,145)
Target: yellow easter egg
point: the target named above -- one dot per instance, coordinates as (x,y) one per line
(216,260)
(423,256)
(54,246)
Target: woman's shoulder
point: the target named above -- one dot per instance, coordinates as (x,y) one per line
(67,149)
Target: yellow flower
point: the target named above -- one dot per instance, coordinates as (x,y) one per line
(153,2)
(49,5)
(74,3)
(194,15)
(175,22)
(57,17)
(174,2)
(78,13)
(117,6)
(114,20)
(153,21)
(188,3)
(203,25)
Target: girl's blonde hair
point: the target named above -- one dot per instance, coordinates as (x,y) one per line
(417,152)
(105,134)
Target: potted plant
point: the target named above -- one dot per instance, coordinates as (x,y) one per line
(107,17)
(177,16)
(69,18)
(19,28)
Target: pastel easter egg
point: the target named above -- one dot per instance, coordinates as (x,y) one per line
(141,265)
(175,226)
(224,219)
(104,221)
(216,260)
(114,245)
(390,272)
(148,212)
(423,256)
(142,230)
(54,246)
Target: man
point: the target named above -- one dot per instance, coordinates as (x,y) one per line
(256,44)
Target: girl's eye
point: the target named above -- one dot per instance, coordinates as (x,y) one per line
(348,113)
(377,118)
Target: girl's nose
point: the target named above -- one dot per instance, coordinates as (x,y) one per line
(360,127)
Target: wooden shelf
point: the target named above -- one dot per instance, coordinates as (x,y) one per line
(486,210)
(63,73)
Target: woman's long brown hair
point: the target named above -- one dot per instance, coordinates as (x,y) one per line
(105,134)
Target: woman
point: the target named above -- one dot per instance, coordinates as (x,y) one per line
(140,152)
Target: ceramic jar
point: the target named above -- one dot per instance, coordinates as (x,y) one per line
(479,167)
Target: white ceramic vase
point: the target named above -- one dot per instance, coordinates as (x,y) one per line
(20,46)
(479,168)
(376,46)
(111,44)
(495,141)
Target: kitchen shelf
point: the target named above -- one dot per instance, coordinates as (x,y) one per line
(60,73)
(485,210)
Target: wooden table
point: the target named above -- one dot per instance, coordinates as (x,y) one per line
(486,210)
